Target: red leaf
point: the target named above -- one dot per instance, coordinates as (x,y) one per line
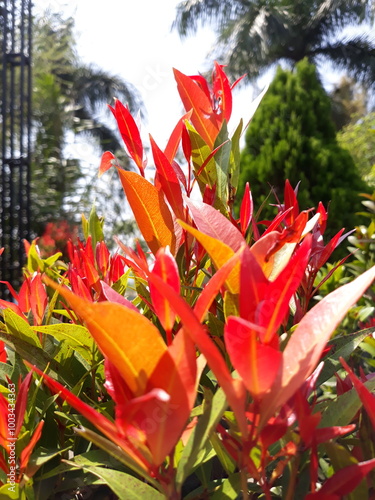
(166,268)
(194,98)
(175,138)
(343,481)
(107,427)
(256,363)
(253,286)
(222,91)
(21,402)
(106,162)
(367,398)
(27,451)
(168,179)
(38,299)
(246,210)
(306,345)
(129,133)
(290,201)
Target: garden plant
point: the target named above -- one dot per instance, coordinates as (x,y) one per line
(203,367)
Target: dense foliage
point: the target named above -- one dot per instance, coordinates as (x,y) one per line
(201,368)
(291,136)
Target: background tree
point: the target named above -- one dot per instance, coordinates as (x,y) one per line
(358,137)
(291,136)
(255,35)
(349,101)
(69,98)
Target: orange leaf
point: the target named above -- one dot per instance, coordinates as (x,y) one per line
(194,98)
(220,253)
(150,211)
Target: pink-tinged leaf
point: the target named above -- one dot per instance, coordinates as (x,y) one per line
(233,389)
(150,210)
(321,258)
(211,222)
(246,210)
(323,217)
(175,138)
(38,299)
(107,427)
(238,81)
(222,91)
(343,481)
(21,402)
(166,268)
(112,296)
(28,449)
(179,173)
(255,362)
(106,162)
(11,289)
(212,288)
(308,341)
(194,98)
(130,133)
(275,304)
(367,398)
(168,179)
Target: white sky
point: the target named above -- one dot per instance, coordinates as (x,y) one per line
(133,39)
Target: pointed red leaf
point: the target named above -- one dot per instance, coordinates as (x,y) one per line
(194,98)
(367,398)
(290,201)
(306,345)
(38,299)
(175,138)
(343,481)
(168,179)
(222,91)
(106,162)
(166,268)
(246,210)
(256,363)
(21,402)
(27,451)
(130,133)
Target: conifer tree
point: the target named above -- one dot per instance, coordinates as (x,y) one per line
(292,136)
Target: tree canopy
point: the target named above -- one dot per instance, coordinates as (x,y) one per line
(254,35)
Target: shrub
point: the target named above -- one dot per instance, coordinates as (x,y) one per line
(203,385)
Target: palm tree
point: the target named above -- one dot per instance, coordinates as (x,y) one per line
(68,97)
(255,35)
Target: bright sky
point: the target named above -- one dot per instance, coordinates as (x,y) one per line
(133,39)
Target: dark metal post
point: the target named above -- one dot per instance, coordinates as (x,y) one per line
(15,33)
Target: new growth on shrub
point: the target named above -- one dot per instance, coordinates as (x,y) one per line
(196,369)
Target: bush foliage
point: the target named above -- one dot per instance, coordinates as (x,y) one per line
(200,368)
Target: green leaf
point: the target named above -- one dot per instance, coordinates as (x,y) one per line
(235,157)
(77,337)
(200,152)
(340,458)
(18,327)
(222,158)
(342,410)
(229,489)
(343,346)
(123,485)
(95,227)
(212,413)
(37,356)
(10,492)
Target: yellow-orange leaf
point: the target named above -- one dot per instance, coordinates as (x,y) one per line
(220,253)
(126,338)
(150,210)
